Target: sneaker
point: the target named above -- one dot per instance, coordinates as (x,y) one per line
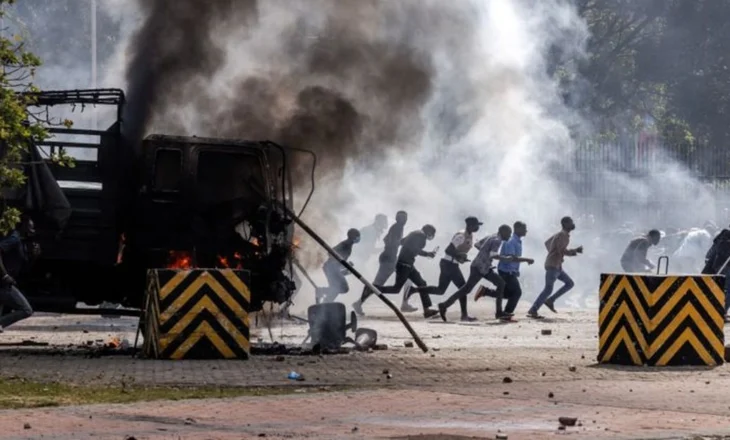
(468,319)
(430,313)
(357,307)
(442,312)
(407,308)
(550,305)
(483,291)
(534,315)
(506,317)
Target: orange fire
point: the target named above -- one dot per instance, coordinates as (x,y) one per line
(254,241)
(223,261)
(180,260)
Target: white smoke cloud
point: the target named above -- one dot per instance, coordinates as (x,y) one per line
(485,143)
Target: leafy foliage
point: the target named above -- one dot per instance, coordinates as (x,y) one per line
(662,59)
(17,130)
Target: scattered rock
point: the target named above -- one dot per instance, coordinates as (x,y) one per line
(707,383)
(86,331)
(262,435)
(130,438)
(561,428)
(551,395)
(546,332)
(567,337)
(582,356)
(355,429)
(26,426)
(408,344)
(190,421)
(507,380)
(280,358)
(436,336)
(380,347)
(386,371)
(506,393)
(568,421)
(572,369)
(390,376)
(509,368)
(543,374)
(502,437)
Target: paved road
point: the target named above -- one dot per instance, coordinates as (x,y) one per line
(457,388)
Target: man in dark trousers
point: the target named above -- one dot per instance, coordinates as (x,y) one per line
(456,254)
(482,267)
(412,246)
(717,262)
(334,271)
(387,259)
(509,270)
(557,247)
(634,258)
(13,256)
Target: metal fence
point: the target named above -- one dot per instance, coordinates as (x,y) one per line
(647,179)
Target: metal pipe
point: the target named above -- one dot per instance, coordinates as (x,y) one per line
(357,275)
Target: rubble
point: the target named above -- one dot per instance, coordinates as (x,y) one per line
(568,421)
(26,426)
(546,332)
(408,344)
(507,380)
(572,369)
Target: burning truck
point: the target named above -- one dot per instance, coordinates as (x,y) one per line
(164,202)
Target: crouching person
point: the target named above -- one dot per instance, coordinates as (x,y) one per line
(15,252)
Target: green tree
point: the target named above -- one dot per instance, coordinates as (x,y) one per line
(18,127)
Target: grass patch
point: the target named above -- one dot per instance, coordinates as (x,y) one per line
(20,393)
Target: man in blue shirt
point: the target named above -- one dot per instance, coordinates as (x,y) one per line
(509,269)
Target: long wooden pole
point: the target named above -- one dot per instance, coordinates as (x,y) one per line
(357,275)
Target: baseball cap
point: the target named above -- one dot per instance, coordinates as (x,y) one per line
(473,220)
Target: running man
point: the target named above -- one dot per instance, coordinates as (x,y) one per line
(456,254)
(334,271)
(411,247)
(509,269)
(482,267)
(557,247)
(387,259)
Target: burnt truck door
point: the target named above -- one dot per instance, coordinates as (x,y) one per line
(227,202)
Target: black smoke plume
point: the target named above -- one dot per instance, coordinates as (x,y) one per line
(350,79)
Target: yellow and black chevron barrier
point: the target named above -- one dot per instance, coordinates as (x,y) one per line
(661,320)
(196,314)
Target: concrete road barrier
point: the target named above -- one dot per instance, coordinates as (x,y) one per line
(661,320)
(196,314)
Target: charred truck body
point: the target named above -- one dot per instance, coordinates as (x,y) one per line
(166,202)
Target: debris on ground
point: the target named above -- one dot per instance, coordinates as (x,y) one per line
(408,344)
(572,369)
(390,376)
(546,332)
(280,358)
(26,426)
(507,380)
(568,421)
(386,371)
(551,395)
(502,437)
(380,347)
(355,429)
(190,421)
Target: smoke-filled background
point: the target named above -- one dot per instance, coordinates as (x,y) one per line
(504,109)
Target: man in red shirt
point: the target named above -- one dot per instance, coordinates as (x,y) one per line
(557,247)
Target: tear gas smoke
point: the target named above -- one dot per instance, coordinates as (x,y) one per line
(442,109)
